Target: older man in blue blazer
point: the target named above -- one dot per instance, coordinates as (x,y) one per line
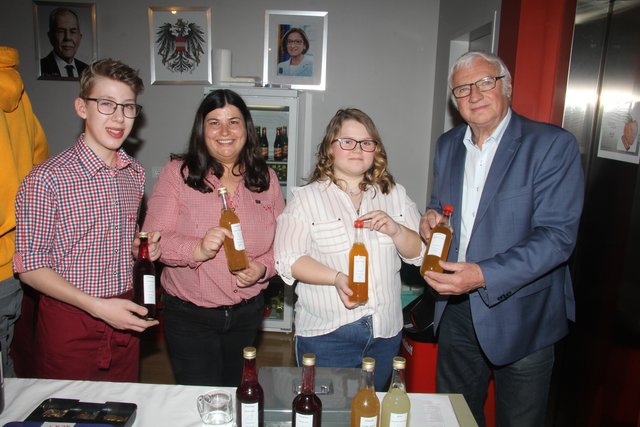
(506,295)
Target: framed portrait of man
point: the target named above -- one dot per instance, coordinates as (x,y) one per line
(65,35)
(295,49)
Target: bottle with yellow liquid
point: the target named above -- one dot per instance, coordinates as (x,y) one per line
(439,244)
(359,266)
(365,405)
(396,405)
(233,248)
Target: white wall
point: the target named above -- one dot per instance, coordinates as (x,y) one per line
(381,58)
(458,20)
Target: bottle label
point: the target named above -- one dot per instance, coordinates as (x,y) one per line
(238,240)
(369,421)
(149,286)
(436,246)
(359,269)
(304,420)
(398,420)
(249,414)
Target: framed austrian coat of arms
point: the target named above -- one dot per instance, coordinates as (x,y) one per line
(180,41)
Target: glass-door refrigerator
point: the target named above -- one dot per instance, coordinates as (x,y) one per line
(279,115)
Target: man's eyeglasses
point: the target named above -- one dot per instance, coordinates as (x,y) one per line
(483,85)
(349,144)
(108,107)
(294,41)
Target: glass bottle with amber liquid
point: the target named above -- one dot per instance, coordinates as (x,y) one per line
(396,405)
(439,243)
(365,405)
(278,153)
(249,394)
(285,143)
(359,266)
(233,248)
(264,144)
(144,278)
(307,406)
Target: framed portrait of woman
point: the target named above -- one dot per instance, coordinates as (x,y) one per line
(65,35)
(295,49)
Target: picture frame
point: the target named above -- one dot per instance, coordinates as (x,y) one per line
(618,134)
(180,45)
(74,40)
(308,31)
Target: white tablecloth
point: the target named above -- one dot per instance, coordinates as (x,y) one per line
(162,405)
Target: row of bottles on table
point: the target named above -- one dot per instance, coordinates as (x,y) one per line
(280,144)
(365,406)
(306,408)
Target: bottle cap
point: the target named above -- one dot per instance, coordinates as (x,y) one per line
(368,364)
(358,223)
(448,209)
(399,362)
(143,235)
(308,359)
(222,190)
(249,353)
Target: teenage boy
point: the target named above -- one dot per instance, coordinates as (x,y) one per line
(76,220)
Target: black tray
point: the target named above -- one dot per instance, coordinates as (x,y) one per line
(114,414)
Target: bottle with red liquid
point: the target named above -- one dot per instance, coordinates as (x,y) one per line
(439,243)
(249,394)
(144,278)
(307,406)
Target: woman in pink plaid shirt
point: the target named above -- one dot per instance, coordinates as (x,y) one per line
(211,313)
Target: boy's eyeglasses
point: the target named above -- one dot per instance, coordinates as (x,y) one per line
(349,144)
(108,107)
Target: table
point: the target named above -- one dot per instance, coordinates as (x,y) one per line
(158,404)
